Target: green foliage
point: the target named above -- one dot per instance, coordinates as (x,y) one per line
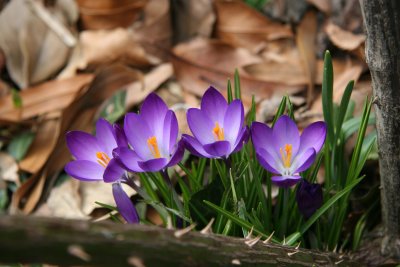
(20,144)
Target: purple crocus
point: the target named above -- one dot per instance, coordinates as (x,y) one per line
(218,127)
(152,135)
(281,149)
(95,162)
(309,198)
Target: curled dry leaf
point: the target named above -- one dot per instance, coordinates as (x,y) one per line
(240,25)
(201,63)
(305,40)
(322,5)
(96,48)
(155,31)
(32,58)
(43,98)
(8,168)
(109,14)
(344,39)
(79,115)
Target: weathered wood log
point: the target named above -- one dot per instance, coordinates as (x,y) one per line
(69,242)
(382,19)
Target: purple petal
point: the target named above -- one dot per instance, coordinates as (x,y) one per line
(137,132)
(261,136)
(170,132)
(114,171)
(218,149)
(120,136)
(242,139)
(313,136)
(153,165)
(214,105)
(303,161)
(267,161)
(85,170)
(194,147)
(129,159)
(105,136)
(233,121)
(285,181)
(285,132)
(82,146)
(200,125)
(153,112)
(124,204)
(176,157)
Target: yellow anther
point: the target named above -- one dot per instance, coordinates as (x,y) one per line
(153,146)
(102,158)
(286,155)
(218,132)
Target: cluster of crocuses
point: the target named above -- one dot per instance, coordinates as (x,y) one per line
(149,142)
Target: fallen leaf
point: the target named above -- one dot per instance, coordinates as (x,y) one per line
(43,98)
(201,63)
(343,39)
(137,91)
(8,169)
(97,48)
(64,201)
(322,5)
(155,31)
(240,25)
(305,40)
(33,58)
(97,15)
(43,144)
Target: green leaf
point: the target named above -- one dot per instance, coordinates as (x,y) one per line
(20,144)
(344,105)
(3,198)
(238,220)
(238,93)
(106,206)
(16,97)
(115,107)
(323,209)
(212,192)
(327,95)
(281,110)
(229,91)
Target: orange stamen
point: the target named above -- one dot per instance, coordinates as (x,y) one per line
(218,132)
(103,159)
(153,146)
(286,155)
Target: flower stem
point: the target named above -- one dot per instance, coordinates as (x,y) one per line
(285,209)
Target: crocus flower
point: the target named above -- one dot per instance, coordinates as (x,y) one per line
(218,127)
(153,136)
(309,198)
(281,150)
(95,162)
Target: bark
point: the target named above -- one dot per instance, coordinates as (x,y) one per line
(67,242)
(382,20)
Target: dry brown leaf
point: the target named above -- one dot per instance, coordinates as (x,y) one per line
(305,39)
(343,39)
(8,168)
(64,201)
(137,91)
(97,48)
(323,5)
(155,31)
(32,58)
(46,97)
(43,144)
(345,71)
(109,14)
(201,63)
(240,25)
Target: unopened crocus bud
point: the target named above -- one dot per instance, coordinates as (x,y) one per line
(309,198)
